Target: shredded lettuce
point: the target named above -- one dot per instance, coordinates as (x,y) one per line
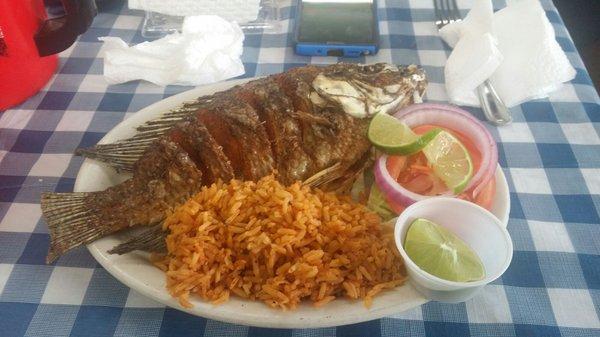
(379,205)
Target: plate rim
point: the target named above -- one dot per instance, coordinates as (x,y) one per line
(245,319)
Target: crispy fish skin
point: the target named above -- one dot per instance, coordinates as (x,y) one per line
(297,123)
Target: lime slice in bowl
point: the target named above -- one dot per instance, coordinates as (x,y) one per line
(441,253)
(450,160)
(394,137)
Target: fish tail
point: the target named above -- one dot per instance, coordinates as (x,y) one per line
(150,240)
(71,222)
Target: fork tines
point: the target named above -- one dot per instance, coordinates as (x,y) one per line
(446,11)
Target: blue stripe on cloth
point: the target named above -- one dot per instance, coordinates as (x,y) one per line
(96,321)
(524,155)
(76,65)
(561,270)
(587,155)
(529,330)
(12,245)
(520,233)
(524,271)
(115,102)
(33,278)
(65,185)
(31,141)
(56,100)
(370,328)
(93,33)
(539,111)
(402,14)
(492,330)
(566,44)
(446,329)
(392,327)
(590,265)
(176,323)
(557,155)
(52,320)
(578,332)
(105,290)
(529,305)
(90,139)
(577,208)
(218,329)
(47,123)
(582,77)
(566,181)
(448,312)
(15,318)
(264,332)
(593,111)
(403,41)
(36,249)
(140,322)
(584,237)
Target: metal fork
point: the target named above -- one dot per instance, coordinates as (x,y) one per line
(496,112)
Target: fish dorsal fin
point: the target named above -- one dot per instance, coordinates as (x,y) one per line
(122,155)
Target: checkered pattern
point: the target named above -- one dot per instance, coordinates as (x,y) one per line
(550,154)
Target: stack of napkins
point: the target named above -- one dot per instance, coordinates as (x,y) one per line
(207,50)
(515,48)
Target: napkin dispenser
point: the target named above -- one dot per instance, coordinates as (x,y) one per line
(29,42)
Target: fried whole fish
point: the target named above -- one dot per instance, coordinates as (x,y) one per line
(307,124)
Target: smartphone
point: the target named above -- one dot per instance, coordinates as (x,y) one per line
(337,28)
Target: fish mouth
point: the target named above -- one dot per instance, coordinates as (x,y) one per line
(364,90)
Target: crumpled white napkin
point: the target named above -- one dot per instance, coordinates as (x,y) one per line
(207,50)
(515,48)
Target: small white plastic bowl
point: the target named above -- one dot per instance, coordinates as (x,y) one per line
(479,228)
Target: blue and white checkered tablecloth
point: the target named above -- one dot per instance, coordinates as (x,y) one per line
(550,155)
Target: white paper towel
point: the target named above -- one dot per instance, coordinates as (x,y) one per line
(207,50)
(475,56)
(517,47)
(241,11)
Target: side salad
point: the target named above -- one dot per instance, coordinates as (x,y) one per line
(428,150)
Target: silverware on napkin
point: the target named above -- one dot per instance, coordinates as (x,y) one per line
(496,112)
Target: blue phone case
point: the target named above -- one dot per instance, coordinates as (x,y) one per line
(330,49)
(310,49)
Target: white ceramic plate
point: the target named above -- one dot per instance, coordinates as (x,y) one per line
(135,271)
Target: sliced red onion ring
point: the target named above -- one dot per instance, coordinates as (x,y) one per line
(453,118)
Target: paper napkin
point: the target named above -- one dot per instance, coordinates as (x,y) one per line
(207,50)
(515,48)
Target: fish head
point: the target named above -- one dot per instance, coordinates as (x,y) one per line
(364,90)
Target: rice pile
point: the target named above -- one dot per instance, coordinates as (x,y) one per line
(264,241)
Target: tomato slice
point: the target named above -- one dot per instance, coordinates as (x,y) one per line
(395,165)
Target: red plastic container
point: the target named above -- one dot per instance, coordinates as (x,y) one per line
(29,43)
(22,70)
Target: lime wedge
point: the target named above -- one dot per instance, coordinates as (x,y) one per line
(394,137)
(441,253)
(449,160)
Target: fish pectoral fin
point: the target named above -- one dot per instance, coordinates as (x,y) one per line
(343,184)
(150,240)
(324,176)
